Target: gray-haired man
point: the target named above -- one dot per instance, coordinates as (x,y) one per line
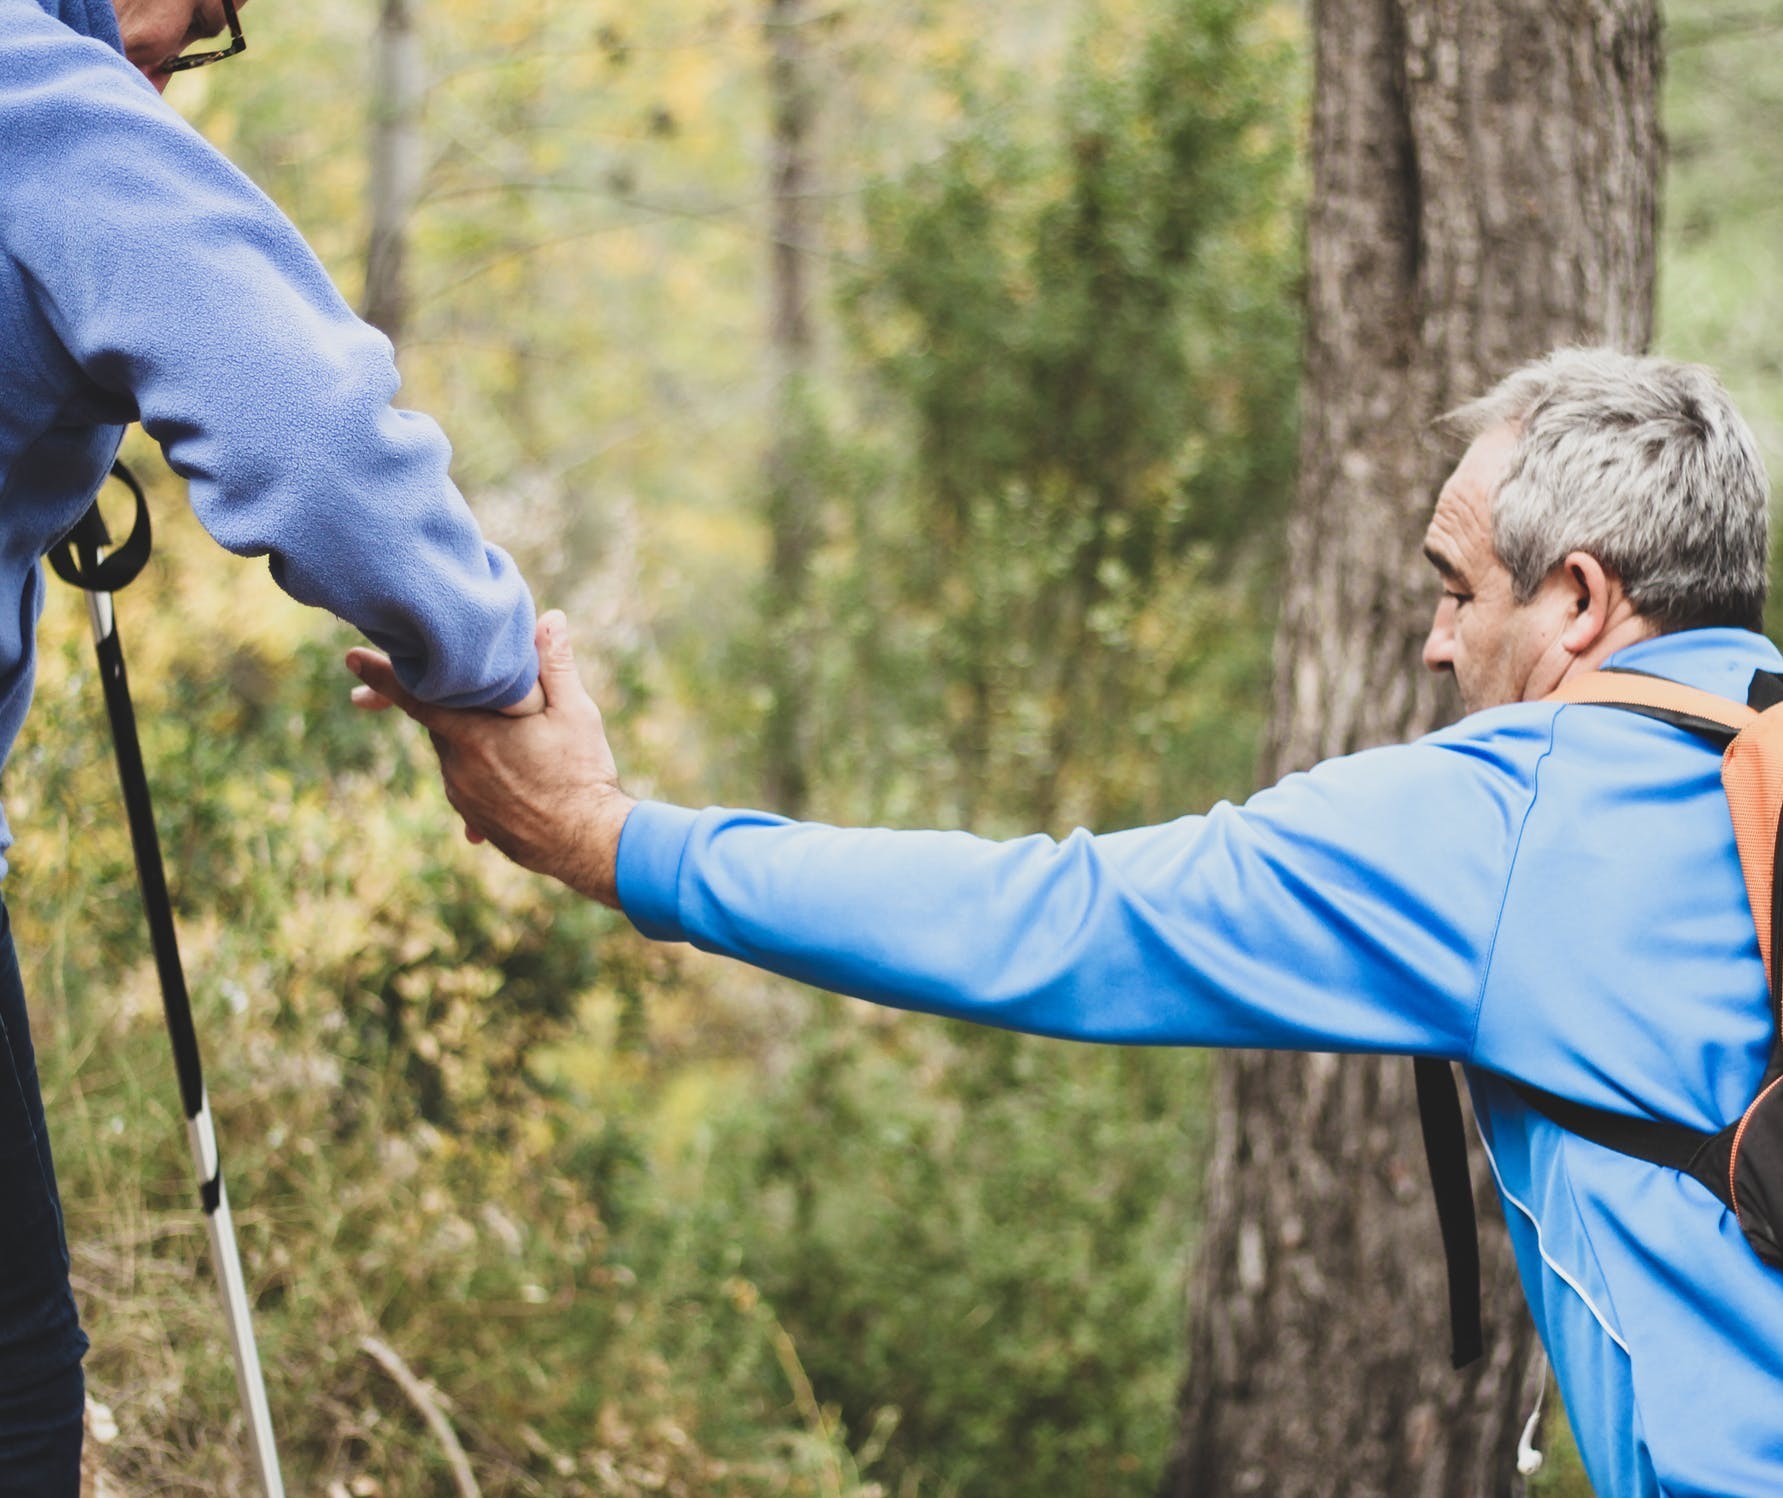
(1548,893)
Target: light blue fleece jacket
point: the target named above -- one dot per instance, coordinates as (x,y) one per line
(142,277)
(1549,893)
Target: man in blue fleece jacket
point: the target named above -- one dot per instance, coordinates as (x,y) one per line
(143,278)
(1547,893)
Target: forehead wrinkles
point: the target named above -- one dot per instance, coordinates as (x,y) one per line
(1461,526)
(1458,539)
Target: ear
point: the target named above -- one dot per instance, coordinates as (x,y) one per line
(1590,588)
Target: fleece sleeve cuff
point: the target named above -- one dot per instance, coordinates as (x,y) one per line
(516,690)
(651,846)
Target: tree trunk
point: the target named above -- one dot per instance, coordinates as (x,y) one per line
(1485,188)
(395,177)
(791,497)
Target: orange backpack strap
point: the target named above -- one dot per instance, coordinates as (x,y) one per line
(1751,769)
(1656,697)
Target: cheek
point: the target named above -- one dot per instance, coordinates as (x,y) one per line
(1481,639)
(152,31)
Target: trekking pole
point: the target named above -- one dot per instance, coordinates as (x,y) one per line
(84,560)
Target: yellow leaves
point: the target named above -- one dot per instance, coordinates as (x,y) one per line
(687,1102)
(510,29)
(193,100)
(712,533)
(1284,22)
(537,1136)
(691,79)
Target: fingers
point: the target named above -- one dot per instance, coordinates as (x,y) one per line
(374,669)
(558,685)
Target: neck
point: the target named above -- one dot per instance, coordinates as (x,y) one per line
(1625,628)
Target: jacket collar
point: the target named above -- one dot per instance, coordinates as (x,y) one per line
(94,18)
(1712,660)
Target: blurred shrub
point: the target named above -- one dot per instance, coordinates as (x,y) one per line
(1055,609)
(977,1242)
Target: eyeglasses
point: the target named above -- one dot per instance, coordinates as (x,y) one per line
(237,43)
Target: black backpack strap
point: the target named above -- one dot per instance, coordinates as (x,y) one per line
(1702,1155)
(1445,1150)
(1699,1154)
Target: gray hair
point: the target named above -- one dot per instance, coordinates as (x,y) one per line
(1641,463)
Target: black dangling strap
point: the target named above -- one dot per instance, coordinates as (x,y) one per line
(76,558)
(1445,1148)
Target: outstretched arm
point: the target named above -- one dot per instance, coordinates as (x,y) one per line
(1349,909)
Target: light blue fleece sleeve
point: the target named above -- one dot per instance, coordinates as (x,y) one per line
(1349,909)
(169,278)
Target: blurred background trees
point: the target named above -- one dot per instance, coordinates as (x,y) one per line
(903,402)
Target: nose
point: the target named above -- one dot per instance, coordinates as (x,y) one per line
(1439,644)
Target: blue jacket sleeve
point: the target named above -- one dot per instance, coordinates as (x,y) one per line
(1349,909)
(171,280)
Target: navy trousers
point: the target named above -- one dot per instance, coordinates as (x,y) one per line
(42,1397)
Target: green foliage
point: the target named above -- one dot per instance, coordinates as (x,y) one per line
(1719,258)
(476,1120)
(370,994)
(978,1249)
(1041,598)
(1093,331)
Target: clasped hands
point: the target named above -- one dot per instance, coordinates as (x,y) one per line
(539,781)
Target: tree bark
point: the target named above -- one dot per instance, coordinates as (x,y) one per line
(396,166)
(1485,188)
(791,497)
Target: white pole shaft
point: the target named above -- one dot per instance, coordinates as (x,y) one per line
(232,1287)
(99,611)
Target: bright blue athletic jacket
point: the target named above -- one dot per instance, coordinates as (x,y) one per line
(142,277)
(1543,892)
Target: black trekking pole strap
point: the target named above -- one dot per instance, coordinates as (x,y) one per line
(1445,1148)
(77,559)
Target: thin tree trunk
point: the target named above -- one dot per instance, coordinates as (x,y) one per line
(791,498)
(396,165)
(1485,188)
